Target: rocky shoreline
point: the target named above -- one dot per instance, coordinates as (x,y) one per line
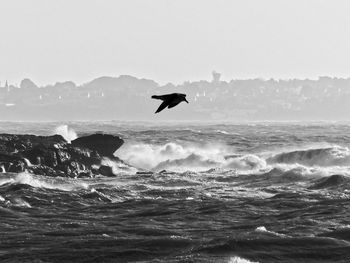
(54,156)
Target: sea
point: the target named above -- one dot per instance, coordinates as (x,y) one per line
(191,192)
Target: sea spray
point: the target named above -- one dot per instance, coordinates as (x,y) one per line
(118,167)
(176,157)
(67,133)
(37,181)
(152,157)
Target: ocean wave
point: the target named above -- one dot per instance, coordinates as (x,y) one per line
(180,158)
(280,173)
(237,259)
(191,162)
(252,243)
(262,229)
(294,172)
(222,132)
(246,162)
(331,181)
(156,157)
(18,202)
(329,156)
(342,234)
(36,181)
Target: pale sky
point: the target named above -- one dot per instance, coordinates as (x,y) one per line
(173,41)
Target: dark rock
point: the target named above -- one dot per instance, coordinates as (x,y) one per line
(86,174)
(17,167)
(53,156)
(95,171)
(144,172)
(106,171)
(104,144)
(47,171)
(9,157)
(62,156)
(41,154)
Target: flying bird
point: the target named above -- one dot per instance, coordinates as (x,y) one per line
(169,100)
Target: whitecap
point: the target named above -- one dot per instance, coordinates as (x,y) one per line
(327,156)
(263,229)
(118,167)
(237,259)
(64,184)
(222,132)
(150,156)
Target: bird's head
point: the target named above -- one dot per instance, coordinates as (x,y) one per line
(184,97)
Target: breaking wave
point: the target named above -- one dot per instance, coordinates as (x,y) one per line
(154,157)
(330,156)
(176,157)
(297,164)
(335,180)
(222,132)
(245,163)
(36,181)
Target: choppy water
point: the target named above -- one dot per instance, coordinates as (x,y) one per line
(230,193)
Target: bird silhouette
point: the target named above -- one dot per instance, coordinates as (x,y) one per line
(169,100)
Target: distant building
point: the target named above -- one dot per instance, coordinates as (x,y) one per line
(216,76)
(7,87)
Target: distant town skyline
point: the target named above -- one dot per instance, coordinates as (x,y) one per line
(173,41)
(215,76)
(129,98)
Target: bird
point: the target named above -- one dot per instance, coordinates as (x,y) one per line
(169,100)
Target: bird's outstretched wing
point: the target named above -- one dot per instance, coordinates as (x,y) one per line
(162,106)
(163,97)
(172,104)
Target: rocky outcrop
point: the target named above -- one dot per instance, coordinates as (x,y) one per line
(54,156)
(104,144)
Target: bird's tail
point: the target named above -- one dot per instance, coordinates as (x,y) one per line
(157,97)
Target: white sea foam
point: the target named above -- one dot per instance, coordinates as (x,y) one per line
(246,162)
(263,229)
(64,184)
(118,167)
(237,259)
(222,132)
(179,158)
(167,156)
(17,201)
